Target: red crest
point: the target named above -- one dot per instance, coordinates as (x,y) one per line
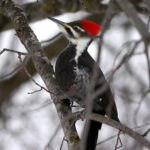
(90,27)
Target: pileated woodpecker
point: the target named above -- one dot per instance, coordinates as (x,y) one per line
(74,70)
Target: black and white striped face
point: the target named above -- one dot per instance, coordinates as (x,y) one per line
(79,29)
(78,37)
(74,32)
(71,30)
(79,33)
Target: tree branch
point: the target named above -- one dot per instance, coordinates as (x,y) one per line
(18,68)
(39,10)
(129,9)
(139,138)
(41,64)
(13,81)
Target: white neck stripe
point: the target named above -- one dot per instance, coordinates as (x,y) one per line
(81,44)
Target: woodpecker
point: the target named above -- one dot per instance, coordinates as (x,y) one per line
(74,70)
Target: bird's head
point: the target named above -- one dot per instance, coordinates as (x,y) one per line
(83,29)
(80,33)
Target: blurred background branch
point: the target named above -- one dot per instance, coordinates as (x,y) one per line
(39,10)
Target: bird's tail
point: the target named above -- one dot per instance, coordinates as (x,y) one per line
(91,139)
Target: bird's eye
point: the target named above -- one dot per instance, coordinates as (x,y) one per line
(78,28)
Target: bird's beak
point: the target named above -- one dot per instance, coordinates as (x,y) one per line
(58,22)
(65,28)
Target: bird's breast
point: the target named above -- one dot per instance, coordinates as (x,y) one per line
(72,78)
(82,75)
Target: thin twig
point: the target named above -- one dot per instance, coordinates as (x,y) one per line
(130,10)
(40,107)
(64,139)
(93,82)
(148,61)
(122,48)
(35,91)
(29,75)
(146,132)
(53,136)
(79,115)
(111,137)
(107,139)
(53,39)
(148,91)
(14,71)
(136,136)
(118,141)
(23,65)
(18,68)
(124,59)
(13,51)
(141,126)
(139,105)
(29,111)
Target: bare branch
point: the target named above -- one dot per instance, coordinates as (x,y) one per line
(18,68)
(118,141)
(90,97)
(23,65)
(141,126)
(120,127)
(41,87)
(148,61)
(139,105)
(29,111)
(111,137)
(124,59)
(131,12)
(35,91)
(64,139)
(106,140)
(40,9)
(41,63)
(53,136)
(13,51)
(53,39)
(146,132)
